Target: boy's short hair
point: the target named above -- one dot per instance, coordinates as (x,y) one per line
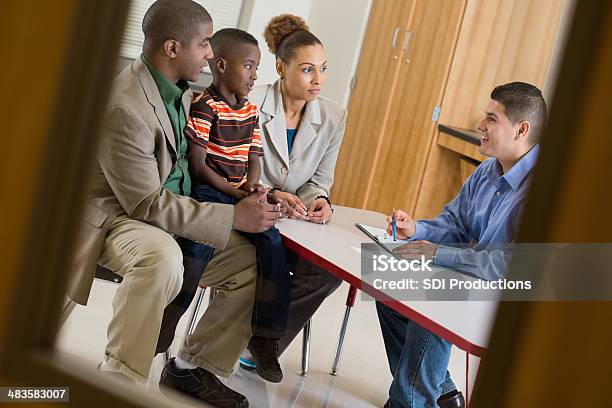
(227,40)
(172,19)
(523,101)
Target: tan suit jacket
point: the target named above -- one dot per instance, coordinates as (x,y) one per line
(309,170)
(136,155)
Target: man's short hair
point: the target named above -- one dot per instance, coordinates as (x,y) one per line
(523,101)
(172,19)
(228,39)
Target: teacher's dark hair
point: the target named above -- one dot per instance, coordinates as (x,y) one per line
(285,34)
(178,20)
(523,101)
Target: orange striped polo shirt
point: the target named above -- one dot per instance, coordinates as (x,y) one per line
(229,133)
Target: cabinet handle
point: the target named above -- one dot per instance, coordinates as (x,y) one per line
(394,41)
(408,43)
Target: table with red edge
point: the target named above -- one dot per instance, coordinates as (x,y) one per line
(336,248)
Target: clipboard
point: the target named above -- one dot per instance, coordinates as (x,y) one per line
(370,232)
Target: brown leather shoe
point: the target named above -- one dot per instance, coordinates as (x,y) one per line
(202,385)
(453,399)
(265,354)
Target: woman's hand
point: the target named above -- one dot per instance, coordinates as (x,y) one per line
(291,205)
(320,211)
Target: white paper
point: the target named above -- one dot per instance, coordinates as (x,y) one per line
(380,234)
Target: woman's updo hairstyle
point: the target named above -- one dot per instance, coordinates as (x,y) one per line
(286,33)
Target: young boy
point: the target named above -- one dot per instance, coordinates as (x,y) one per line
(224,164)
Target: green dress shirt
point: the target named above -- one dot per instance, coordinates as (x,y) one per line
(179,181)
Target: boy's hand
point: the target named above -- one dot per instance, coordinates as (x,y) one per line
(254,187)
(254,214)
(319,211)
(239,194)
(291,205)
(405,226)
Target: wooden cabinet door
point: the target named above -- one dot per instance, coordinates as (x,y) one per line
(500,41)
(378,68)
(409,130)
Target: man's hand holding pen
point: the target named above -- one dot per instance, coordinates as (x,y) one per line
(405,226)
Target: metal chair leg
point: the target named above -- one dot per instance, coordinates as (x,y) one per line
(305,349)
(194,314)
(350,302)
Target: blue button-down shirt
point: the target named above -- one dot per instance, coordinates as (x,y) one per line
(485,216)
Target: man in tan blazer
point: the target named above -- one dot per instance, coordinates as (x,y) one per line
(138,205)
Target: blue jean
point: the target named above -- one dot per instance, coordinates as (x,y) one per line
(273,293)
(418,360)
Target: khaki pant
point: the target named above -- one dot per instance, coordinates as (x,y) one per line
(151,264)
(224,330)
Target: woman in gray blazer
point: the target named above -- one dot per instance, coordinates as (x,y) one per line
(301,135)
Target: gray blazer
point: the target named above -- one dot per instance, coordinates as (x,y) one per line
(309,170)
(136,154)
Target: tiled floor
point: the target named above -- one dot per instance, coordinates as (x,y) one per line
(363,378)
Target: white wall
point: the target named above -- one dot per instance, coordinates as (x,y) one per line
(340,25)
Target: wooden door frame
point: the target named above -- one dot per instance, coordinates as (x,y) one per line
(85,60)
(513,325)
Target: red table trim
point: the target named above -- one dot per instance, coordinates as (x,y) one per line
(385,299)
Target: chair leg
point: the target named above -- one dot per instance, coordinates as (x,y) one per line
(305,349)
(194,314)
(350,302)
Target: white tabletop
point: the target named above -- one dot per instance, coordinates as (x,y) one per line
(336,247)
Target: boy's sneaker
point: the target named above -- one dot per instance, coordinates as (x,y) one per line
(265,353)
(246,361)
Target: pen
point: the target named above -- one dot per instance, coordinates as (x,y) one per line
(394,223)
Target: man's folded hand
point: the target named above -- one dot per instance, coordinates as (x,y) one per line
(255,214)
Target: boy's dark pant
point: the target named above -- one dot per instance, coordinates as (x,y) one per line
(273,293)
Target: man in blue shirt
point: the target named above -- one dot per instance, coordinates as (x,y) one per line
(466,236)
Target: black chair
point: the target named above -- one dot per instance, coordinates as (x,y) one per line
(105,274)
